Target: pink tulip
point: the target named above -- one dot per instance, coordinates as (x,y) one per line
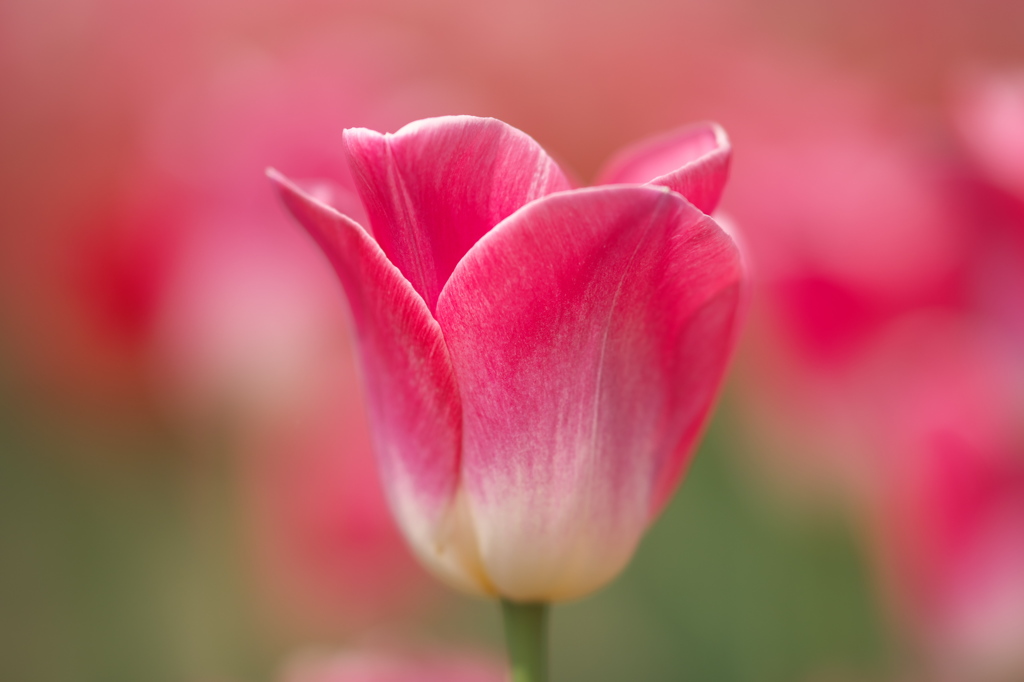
(539,361)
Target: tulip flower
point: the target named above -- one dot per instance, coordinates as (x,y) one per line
(539,360)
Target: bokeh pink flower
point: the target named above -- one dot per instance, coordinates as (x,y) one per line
(392,667)
(851,224)
(948,516)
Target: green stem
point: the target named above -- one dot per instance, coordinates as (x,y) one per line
(526,634)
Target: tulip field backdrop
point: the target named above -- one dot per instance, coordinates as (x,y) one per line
(188,488)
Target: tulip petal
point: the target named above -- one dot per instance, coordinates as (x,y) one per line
(436,186)
(413,401)
(589,333)
(693,161)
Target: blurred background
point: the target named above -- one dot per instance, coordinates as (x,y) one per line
(186,487)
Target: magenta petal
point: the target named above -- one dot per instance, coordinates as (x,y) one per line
(413,401)
(589,333)
(436,186)
(693,161)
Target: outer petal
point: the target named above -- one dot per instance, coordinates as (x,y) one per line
(589,334)
(436,186)
(413,401)
(344,200)
(693,161)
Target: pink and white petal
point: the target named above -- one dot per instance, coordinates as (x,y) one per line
(412,399)
(693,161)
(437,185)
(589,334)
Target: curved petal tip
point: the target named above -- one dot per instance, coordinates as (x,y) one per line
(693,161)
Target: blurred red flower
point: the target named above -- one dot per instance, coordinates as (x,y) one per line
(385,667)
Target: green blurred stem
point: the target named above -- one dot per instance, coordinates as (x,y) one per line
(526,634)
